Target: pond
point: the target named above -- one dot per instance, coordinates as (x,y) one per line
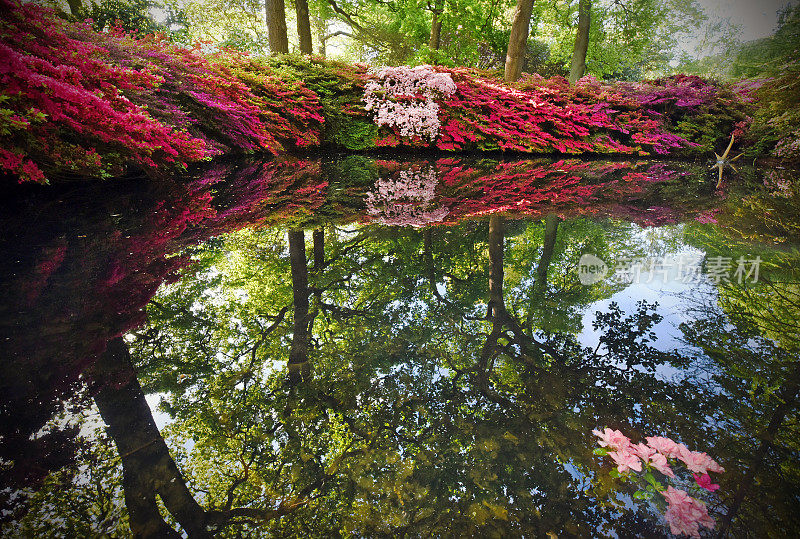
(366,346)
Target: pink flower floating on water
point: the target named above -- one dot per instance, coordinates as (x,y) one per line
(705,482)
(659,462)
(612,438)
(684,514)
(665,446)
(626,460)
(699,462)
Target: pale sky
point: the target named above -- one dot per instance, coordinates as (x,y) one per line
(746,20)
(757,18)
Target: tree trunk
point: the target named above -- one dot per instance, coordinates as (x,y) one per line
(303,26)
(74,6)
(519,39)
(436,32)
(299,368)
(276,26)
(578,67)
(148,468)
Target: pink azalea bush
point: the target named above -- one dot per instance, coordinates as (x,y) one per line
(75,102)
(684,514)
(405,98)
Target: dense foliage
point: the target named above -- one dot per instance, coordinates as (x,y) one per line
(777,119)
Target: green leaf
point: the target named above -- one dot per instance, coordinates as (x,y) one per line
(601,451)
(614,473)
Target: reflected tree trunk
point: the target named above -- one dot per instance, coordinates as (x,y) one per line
(427,254)
(319,266)
(543,267)
(299,367)
(148,468)
(496,244)
(787,397)
(496,311)
(276,26)
(550,236)
(518,41)
(578,66)
(319,249)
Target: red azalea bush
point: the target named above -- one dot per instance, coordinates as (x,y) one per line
(547,116)
(75,101)
(536,115)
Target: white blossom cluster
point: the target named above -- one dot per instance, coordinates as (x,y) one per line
(406,201)
(416,113)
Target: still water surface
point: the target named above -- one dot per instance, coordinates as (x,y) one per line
(371,347)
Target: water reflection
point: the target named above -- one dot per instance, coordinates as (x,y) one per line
(375,380)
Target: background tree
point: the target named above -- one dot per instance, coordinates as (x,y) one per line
(518,39)
(578,65)
(276,26)
(303,26)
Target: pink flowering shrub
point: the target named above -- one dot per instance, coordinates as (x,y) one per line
(684,514)
(63,106)
(404,97)
(539,115)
